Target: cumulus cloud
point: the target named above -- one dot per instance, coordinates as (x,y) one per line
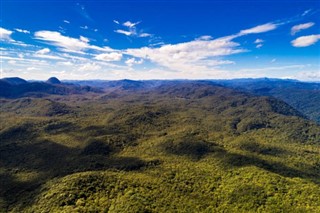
(109,56)
(5,34)
(305,41)
(297,28)
(22,31)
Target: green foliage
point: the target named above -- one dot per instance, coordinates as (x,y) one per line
(179,148)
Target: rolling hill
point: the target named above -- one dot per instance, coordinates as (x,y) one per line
(174,146)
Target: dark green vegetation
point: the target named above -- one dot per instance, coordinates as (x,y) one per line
(303,96)
(170,147)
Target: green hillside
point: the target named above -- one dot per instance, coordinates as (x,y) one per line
(178,147)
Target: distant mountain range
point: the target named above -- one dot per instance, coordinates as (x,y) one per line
(303,96)
(17,87)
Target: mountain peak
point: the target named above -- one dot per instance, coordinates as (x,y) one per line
(53,80)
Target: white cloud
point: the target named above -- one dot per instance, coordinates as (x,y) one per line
(205,38)
(43,51)
(89,67)
(109,56)
(84,27)
(143,35)
(127,33)
(84,39)
(22,31)
(259,45)
(306,12)
(305,41)
(66,21)
(130,24)
(299,27)
(32,68)
(257,41)
(12,62)
(258,29)
(131,30)
(68,44)
(65,63)
(188,56)
(52,57)
(308,75)
(5,34)
(131,61)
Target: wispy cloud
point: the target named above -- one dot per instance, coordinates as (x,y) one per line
(84,39)
(66,21)
(143,35)
(204,53)
(130,24)
(297,28)
(306,12)
(131,29)
(194,55)
(84,27)
(43,51)
(65,43)
(109,56)
(259,29)
(259,43)
(68,44)
(124,32)
(22,31)
(305,41)
(83,12)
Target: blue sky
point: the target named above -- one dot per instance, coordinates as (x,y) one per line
(160,39)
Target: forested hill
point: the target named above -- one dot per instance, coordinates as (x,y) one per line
(171,146)
(304,96)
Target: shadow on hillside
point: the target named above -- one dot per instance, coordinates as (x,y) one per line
(25,166)
(196,150)
(238,160)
